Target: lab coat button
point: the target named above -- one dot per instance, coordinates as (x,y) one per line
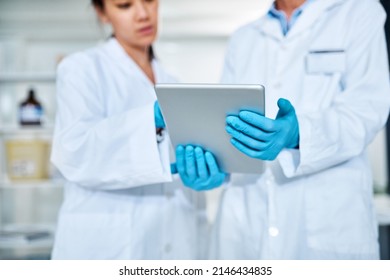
(168,248)
(268,182)
(169,195)
(273,231)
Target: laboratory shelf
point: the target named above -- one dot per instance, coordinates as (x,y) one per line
(33,240)
(26,241)
(27,77)
(25,130)
(46,242)
(55,184)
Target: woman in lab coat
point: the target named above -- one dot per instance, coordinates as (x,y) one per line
(315,200)
(119,200)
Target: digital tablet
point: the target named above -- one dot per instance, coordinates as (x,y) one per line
(195,114)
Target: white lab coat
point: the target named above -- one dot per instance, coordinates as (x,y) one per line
(315,202)
(119,200)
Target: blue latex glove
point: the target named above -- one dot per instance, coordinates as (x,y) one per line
(198,169)
(261,137)
(158,118)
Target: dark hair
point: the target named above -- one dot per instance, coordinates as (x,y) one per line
(100,5)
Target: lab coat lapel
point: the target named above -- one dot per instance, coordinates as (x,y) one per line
(126,62)
(270,27)
(310,15)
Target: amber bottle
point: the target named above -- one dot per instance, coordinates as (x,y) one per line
(30,110)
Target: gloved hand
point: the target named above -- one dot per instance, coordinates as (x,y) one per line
(197,169)
(158,118)
(261,137)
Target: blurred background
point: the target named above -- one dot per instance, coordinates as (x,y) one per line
(35,36)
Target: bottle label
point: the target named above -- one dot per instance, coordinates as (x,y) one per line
(23,168)
(30,113)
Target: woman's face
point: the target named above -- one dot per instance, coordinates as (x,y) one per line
(135,22)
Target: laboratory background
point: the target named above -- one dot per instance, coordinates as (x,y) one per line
(36,35)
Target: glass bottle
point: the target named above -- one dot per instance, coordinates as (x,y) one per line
(30,110)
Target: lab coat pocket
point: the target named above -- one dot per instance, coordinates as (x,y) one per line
(93,236)
(325,62)
(322,81)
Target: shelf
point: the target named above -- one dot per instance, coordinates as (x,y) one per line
(27,77)
(40,236)
(26,130)
(53,184)
(12,244)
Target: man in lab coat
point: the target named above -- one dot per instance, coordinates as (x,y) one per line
(325,69)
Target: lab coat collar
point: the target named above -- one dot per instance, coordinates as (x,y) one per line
(271,27)
(116,51)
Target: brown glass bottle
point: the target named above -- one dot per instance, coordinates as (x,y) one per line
(30,110)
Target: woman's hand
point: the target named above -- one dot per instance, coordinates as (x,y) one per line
(198,169)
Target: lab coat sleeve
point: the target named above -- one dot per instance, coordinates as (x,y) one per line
(98,151)
(344,130)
